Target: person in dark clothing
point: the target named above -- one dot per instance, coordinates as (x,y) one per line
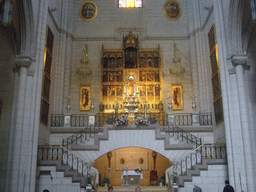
(197,189)
(228,188)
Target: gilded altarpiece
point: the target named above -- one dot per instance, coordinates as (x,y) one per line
(131,73)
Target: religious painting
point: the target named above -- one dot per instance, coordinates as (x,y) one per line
(172,10)
(150,62)
(150,76)
(105,62)
(177,97)
(214,62)
(88,11)
(105,76)
(157,76)
(105,91)
(119,90)
(85,94)
(130,58)
(216,88)
(212,38)
(142,90)
(143,76)
(218,111)
(119,76)
(112,63)
(120,63)
(156,62)
(112,76)
(157,90)
(150,90)
(143,63)
(112,90)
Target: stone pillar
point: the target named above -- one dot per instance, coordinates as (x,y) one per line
(17,171)
(201,76)
(246,170)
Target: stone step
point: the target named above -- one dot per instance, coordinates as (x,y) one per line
(127,189)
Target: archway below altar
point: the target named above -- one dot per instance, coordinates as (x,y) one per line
(131,158)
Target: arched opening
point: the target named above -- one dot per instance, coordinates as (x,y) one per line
(130,158)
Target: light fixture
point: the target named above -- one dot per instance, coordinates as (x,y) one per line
(83,70)
(6,8)
(177,68)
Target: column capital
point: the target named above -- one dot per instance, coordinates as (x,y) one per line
(239,59)
(23,61)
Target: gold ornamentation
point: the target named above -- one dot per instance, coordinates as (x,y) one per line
(122,160)
(172,10)
(141,160)
(130,41)
(88,11)
(177,97)
(85,94)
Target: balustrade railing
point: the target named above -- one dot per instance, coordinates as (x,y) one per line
(205,151)
(57,120)
(82,135)
(56,152)
(182,135)
(183,119)
(178,119)
(205,118)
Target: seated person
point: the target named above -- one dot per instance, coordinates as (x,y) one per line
(137,189)
(110,189)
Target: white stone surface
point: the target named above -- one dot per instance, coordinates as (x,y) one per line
(211,180)
(55,181)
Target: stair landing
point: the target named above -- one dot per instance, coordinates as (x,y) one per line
(127,189)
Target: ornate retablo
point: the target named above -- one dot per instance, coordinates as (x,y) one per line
(130,76)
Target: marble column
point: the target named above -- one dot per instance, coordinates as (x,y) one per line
(239,61)
(17,175)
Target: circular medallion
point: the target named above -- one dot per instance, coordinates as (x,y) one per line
(172,10)
(88,11)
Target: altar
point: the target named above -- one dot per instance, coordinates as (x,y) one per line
(131,178)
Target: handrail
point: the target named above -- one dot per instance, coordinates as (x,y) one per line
(91,129)
(58,152)
(184,134)
(204,151)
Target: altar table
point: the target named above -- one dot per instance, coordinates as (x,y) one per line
(131,178)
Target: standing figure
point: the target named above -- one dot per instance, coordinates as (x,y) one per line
(85,97)
(197,189)
(228,188)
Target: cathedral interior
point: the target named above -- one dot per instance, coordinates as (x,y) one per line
(155,94)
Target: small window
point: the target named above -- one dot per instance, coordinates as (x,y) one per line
(130,3)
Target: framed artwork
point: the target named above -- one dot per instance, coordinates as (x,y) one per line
(142,90)
(216,87)
(177,97)
(172,10)
(88,11)
(91,120)
(218,111)
(105,90)
(85,94)
(105,76)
